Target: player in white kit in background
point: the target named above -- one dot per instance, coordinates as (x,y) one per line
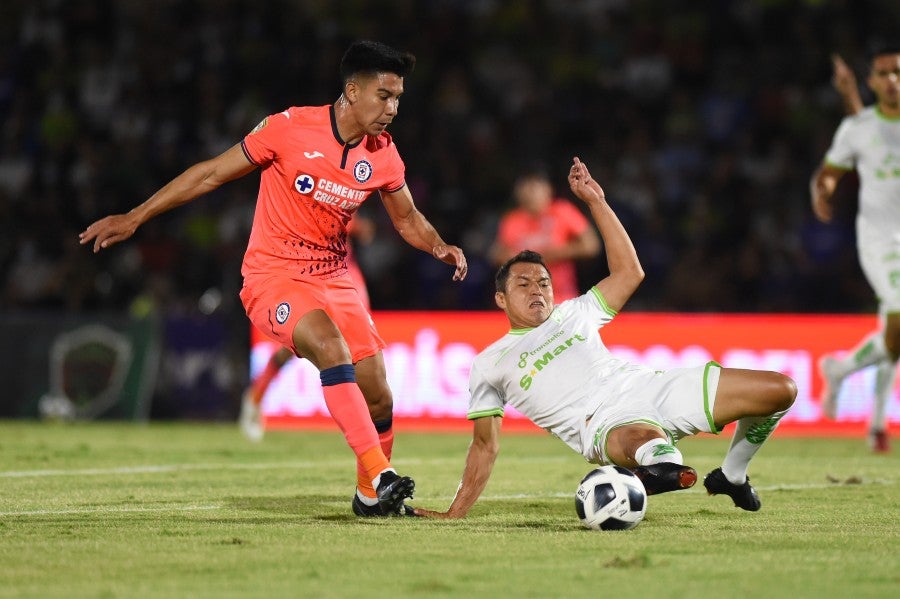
(869,141)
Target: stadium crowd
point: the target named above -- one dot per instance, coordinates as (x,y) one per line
(703,121)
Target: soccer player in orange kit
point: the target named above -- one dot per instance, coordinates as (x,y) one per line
(318,164)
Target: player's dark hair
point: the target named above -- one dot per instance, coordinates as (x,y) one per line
(367,58)
(880,47)
(533,170)
(528,256)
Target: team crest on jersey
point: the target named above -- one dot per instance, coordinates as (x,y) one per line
(304,183)
(362,171)
(282,312)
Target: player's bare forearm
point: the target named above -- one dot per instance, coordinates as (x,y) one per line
(821,188)
(625,271)
(844,82)
(415,229)
(197,180)
(480,461)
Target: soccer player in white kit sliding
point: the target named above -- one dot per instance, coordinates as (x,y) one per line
(869,142)
(553,367)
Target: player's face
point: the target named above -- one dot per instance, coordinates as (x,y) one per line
(884,80)
(528,299)
(375,101)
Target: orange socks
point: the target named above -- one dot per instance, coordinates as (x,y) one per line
(386,439)
(348,408)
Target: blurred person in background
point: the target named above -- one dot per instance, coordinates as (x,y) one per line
(318,164)
(869,142)
(548,225)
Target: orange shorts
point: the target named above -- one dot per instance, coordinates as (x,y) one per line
(276,303)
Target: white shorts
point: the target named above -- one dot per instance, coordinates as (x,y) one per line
(880,263)
(679,401)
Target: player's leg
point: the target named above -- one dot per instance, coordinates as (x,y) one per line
(869,351)
(317,338)
(756,400)
(648,452)
(251,420)
(372,380)
(885,374)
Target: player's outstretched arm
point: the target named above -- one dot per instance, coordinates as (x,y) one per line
(479,465)
(197,180)
(419,233)
(625,271)
(844,81)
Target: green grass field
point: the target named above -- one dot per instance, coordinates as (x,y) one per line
(194,510)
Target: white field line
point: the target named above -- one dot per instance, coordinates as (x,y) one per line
(113,510)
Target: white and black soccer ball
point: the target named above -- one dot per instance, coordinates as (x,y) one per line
(611,498)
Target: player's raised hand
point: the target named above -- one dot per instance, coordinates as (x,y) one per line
(581,183)
(450,254)
(108,231)
(843,78)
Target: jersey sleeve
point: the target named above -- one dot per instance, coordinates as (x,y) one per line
(592,305)
(484,400)
(261,145)
(841,154)
(396,170)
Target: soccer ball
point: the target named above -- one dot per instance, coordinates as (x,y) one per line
(610,498)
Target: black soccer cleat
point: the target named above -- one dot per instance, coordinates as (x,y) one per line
(374,511)
(744,496)
(665,477)
(392,490)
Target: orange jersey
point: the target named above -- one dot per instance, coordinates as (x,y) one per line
(310,186)
(556,226)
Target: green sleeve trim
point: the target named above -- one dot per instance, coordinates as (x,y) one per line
(884,117)
(839,167)
(602,301)
(485,414)
(707,399)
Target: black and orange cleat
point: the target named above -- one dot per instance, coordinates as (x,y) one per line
(665,477)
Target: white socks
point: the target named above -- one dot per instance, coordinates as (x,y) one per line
(870,351)
(656,451)
(748,438)
(884,383)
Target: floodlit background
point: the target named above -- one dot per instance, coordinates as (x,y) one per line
(703,121)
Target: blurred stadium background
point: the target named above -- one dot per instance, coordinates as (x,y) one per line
(703,121)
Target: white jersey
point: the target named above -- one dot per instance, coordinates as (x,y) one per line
(870,143)
(541,371)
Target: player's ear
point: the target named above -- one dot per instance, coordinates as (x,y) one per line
(351,90)
(500,300)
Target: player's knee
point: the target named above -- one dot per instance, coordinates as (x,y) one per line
(328,352)
(784,392)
